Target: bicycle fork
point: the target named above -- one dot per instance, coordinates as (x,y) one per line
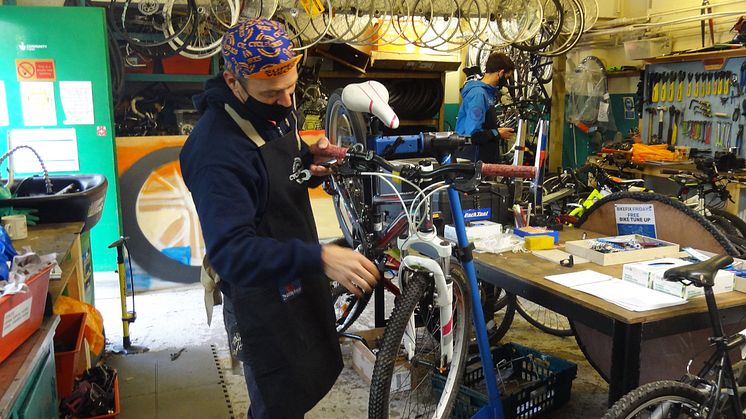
(443,287)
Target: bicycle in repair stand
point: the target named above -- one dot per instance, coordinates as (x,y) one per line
(425,276)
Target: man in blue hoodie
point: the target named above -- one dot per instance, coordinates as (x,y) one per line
(248,171)
(477,116)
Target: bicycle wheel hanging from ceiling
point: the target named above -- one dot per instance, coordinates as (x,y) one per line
(215,17)
(518,20)
(573,24)
(148,20)
(551,26)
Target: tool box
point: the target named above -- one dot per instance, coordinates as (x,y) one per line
(490,202)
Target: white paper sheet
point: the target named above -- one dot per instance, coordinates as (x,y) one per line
(630,296)
(575,279)
(4,121)
(77,102)
(57,147)
(37,103)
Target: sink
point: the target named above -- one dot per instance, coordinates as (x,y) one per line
(82,199)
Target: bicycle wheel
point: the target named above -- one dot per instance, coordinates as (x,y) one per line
(402,387)
(660,399)
(733,219)
(546,320)
(498,308)
(347,307)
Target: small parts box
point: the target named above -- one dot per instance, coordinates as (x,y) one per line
(21,314)
(650,275)
(583,249)
(68,340)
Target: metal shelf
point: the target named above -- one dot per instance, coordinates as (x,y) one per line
(178,78)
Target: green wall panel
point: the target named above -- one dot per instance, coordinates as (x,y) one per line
(75,38)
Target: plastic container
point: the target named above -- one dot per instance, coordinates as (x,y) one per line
(647,48)
(177,64)
(540,383)
(117,407)
(68,339)
(21,314)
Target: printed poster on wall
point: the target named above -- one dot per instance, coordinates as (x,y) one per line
(57,147)
(37,103)
(635,219)
(77,102)
(4,121)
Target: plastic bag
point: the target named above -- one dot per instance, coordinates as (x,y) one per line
(94,324)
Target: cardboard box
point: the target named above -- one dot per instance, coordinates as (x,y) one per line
(739,284)
(363,359)
(477,230)
(583,249)
(642,273)
(723,283)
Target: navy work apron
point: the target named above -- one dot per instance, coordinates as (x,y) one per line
(288,336)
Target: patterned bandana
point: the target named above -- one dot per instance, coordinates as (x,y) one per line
(258,48)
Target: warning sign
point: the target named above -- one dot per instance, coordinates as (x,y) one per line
(35,69)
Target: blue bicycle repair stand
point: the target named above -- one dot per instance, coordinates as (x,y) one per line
(494,407)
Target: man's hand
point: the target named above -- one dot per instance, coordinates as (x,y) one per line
(349,268)
(315,168)
(506,133)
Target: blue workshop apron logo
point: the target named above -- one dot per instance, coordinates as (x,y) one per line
(477,214)
(299,174)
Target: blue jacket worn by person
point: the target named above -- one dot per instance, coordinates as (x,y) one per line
(477,119)
(229,183)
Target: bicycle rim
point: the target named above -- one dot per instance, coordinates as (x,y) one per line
(543,318)
(405,388)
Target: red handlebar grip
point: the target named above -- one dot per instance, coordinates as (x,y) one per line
(331,150)
(506,170)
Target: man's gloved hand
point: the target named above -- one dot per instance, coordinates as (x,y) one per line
(31,219)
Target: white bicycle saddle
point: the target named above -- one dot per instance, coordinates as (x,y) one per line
(372,97)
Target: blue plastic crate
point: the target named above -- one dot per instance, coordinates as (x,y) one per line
(546,382)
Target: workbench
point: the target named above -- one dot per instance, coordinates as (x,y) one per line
(27,378)
(523,274)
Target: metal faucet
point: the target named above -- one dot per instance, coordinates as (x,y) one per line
(47,182)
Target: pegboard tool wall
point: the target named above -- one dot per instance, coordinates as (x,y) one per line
(704,121)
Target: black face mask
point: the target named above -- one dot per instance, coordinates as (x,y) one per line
(269,112)
(502,82)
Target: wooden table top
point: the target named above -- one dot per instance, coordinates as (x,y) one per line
(44,239)
(532,270)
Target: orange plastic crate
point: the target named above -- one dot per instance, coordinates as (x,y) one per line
(21,314)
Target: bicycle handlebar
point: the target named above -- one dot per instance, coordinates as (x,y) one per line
(488,169)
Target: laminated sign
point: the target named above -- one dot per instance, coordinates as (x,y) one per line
(635,219)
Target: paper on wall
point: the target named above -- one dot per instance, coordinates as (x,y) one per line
(77,102)
(37,103)
(57,147)
(4,121)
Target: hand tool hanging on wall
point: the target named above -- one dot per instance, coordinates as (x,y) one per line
(708,85)
(742,79)
(726,86)
(708,129)
(651,116)
(669,138)
(720,76)
(661,111)
(739,139)
(689,78)
(671,85)
(677,114)
(680,91)
(697,84)
(654,87)
(663,88)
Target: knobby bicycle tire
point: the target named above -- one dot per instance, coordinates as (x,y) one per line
(734,220)
(418,288)
(653,394)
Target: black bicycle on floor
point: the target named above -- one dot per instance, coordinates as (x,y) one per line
(719,389)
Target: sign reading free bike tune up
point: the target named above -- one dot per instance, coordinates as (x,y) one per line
(635,219)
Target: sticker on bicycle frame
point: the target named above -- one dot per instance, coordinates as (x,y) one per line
(291,291)
(477,214)
(635,219)
(312,7)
